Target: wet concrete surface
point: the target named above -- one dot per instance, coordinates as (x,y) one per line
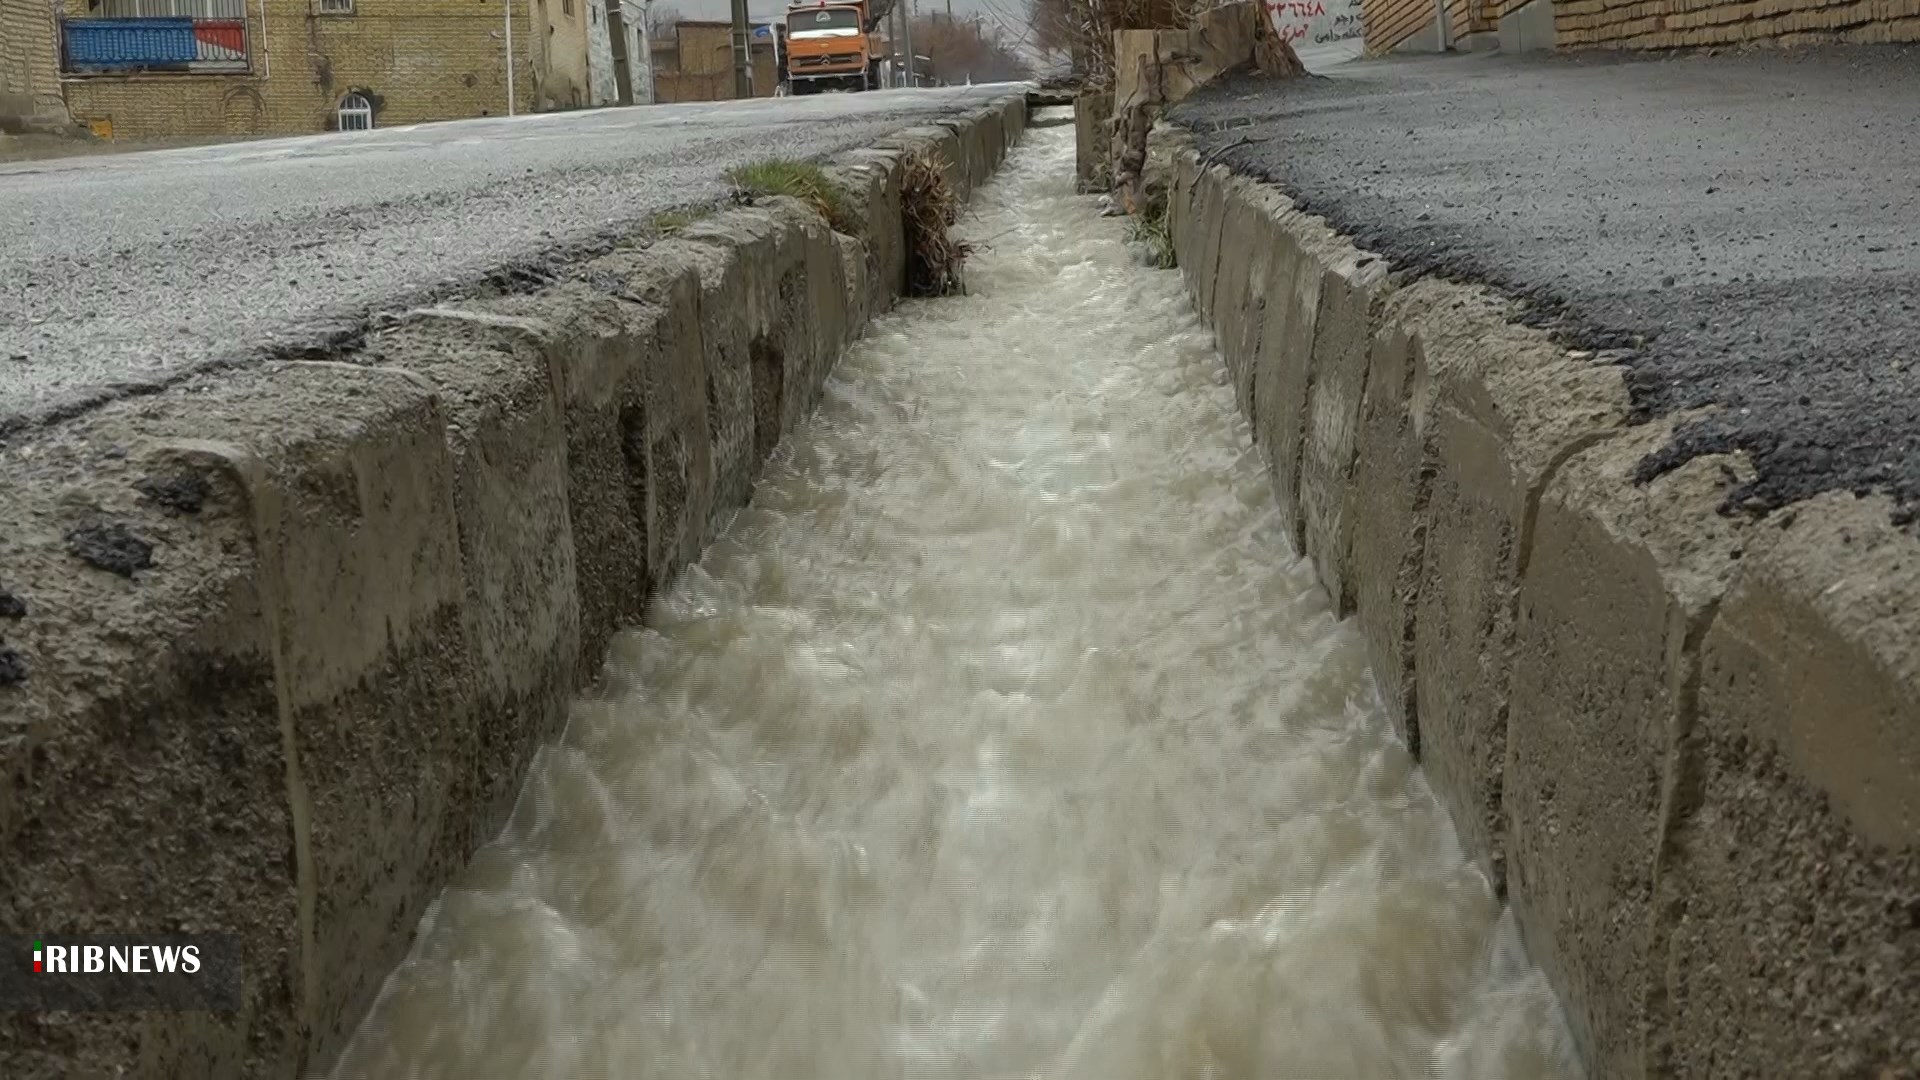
(125,273)
(1741,231)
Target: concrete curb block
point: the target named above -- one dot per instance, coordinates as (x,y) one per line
(1789,896)
(1686,745)
(1506,408)
(1620,582)
(1093,139)
(292,635)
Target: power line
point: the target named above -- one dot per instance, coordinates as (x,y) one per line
(1022,37)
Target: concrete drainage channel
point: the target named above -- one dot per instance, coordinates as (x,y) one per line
(1684,743)
(343,602)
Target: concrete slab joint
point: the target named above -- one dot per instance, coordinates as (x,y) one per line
(1685,744)
(342,602)
(1528,28)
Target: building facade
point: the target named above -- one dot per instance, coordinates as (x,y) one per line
(1512,25)
(166,68)
(29,68)
(696,63)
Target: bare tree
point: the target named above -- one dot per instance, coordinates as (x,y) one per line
(968,50)
(1083,29)
(1053,26)
(663,22)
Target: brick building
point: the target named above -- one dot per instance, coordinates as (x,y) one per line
(29,68)
(1634,24)
(149,68)
(696,64)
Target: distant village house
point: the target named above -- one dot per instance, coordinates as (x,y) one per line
(174,68)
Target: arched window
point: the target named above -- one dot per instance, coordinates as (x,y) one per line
(356,113)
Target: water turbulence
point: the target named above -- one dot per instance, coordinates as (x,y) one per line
(1002,736)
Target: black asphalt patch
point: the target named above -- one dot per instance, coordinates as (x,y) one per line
(113,548)
(1745,227)
(180,494)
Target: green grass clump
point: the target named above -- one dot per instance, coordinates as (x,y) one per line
(1153,231)
(801,180)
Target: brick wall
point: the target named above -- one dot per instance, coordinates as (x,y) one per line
(696,64)
(672,86)
(29,64)
(1662,24)
(416,60)
(705,48)
(1390,22)
(1665,24)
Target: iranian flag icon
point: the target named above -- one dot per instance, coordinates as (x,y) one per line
(36,957)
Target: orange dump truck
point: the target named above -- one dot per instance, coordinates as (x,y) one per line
(831,45)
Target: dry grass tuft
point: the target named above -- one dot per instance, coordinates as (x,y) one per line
(1153,231)
(929,209)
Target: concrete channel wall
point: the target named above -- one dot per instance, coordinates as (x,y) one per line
(290,635)
(1686,745)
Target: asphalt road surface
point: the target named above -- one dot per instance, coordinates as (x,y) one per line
(1745,227)
(134,270)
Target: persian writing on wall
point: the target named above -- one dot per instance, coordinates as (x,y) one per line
(1322,32)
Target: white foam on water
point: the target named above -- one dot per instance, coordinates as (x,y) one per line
(1003,736)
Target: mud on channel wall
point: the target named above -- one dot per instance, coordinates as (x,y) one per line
(1685,745)
(289,635)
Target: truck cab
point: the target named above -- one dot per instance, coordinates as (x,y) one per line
(830,47)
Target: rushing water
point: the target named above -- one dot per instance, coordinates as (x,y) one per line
(1002,737)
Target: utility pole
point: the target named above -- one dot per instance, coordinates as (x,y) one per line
(509,9)
(622,55)
(779,55)
(893,45)
(907,20)
(742,59)
(642,68)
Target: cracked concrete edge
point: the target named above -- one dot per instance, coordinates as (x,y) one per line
(1093,135)
(1684,745)
(291,635)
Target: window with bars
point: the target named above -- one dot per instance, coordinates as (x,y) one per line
(356,113)
(168,9)
(336,7)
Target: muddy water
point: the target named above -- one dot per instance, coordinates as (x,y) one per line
(1002,736)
